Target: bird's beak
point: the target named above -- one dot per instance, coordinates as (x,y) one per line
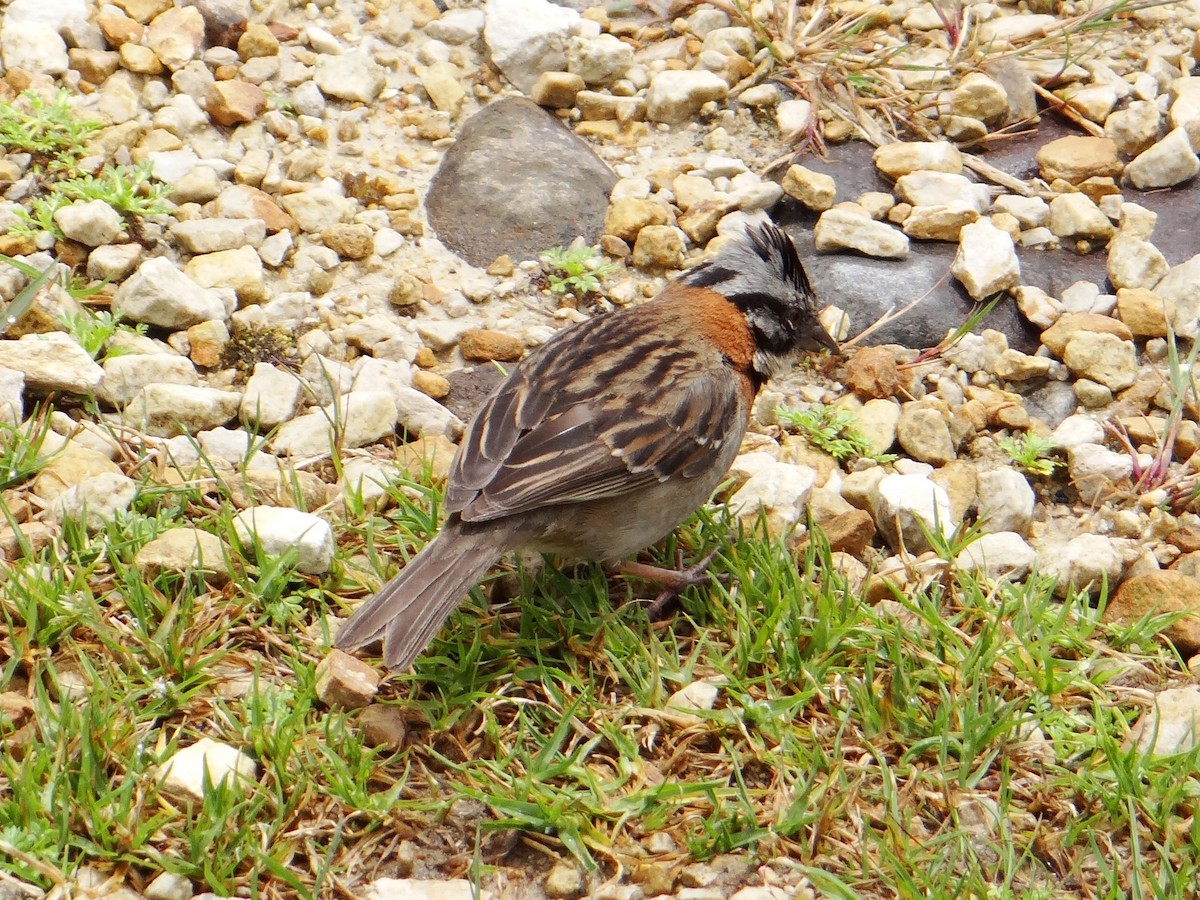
(817,338)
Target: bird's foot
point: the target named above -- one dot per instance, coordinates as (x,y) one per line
(674,581)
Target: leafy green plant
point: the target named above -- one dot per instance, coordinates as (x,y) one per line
(1029,451)
(575,270)
(47,129)
(129,190)
(832,430)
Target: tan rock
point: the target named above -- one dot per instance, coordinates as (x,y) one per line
(1161,593)
(176,36)
(185,550)
(206,342)
(143,10)
(139,59)
(484,345)
(814,190)
(1076,157)
(872,372)
(556,90)
(659,247)
(382,725)
(939,223)
(1145,312)
(256,41)
(349,240)
(234,102)
(627,216)
(118,29)
(73,465)
(431,384)
(427,456)
(346,682)
(1069,324)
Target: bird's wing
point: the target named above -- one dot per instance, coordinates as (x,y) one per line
(547,438)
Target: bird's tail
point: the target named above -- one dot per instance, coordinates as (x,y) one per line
(408,611)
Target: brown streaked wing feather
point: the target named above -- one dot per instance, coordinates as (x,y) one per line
(590,451)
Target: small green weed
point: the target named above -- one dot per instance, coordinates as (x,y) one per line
(832,430)
(128,190)
(49,130)
(575,270)
(21,450)
(92,330)
(1029,451)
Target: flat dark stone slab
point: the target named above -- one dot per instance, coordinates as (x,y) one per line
(866,288)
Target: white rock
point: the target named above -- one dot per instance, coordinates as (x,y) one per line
(96,501)
(185,773)
(422,415)
(675,96)
(840,229)
(1094,469)
(276,530)
(271,396)
(905,157)
(317,208)
(1005,501)
(986,261)
(1030,212)
(324,378)
(1181,286)
(113,262)
(239,270)
(1076,430)
(51,362)
(598,60)
(233,445)
(312,435)
(781,492)
(367,478)
(92,223)
(695,695)
(1173,725)
(527,37)
(1169,162)
(33,46)
(1134,263)
(363,417)
(168,886)
(792,116)
(1082,563)
(351,76)
(907,506)
(1076,216)
(420,889)
(979,96)
(456,26)
(165,410)
(211,235)
(126,375)
(1037,306)
(12,389)
(942,189)
(1001,554)
(159,294)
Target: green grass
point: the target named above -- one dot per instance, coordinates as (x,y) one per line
(859,742)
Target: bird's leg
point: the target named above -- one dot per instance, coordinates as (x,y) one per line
(674,581)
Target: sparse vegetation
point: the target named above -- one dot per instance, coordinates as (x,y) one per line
(575,270)
(1029,452)
(832,430)
(249,346)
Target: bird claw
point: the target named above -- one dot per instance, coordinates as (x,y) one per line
(674,581)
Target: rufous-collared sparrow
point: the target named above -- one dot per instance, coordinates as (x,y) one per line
(607,436)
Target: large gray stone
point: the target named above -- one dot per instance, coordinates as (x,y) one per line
(517,182)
